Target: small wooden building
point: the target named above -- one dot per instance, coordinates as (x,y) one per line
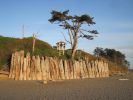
(61,47)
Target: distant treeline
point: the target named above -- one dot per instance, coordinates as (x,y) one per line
(112,55)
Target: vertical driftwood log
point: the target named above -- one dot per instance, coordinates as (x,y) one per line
(100,68)
(32,71)
(92,69)
(106,70)
(17,67)
(62,69)
(24,69)
(21,65)
(38,68)
(96,68)
(51,69)
(89,70)
(45,68)
(81,69)
(85,69)
(12,66)
(77,70)
(28,61)
(47,61)
(50,76)
(71,69)
(74,69)
(66,70)
(56,69)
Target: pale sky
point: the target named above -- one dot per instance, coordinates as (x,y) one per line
(114,21)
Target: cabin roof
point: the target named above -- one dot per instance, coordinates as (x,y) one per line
(60,42)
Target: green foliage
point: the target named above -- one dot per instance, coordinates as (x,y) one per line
(79,55)
(46,52)
(112,55)
(9,45)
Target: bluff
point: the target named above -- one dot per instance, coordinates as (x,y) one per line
(8,45)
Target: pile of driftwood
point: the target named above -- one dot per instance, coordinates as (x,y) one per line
(48,68)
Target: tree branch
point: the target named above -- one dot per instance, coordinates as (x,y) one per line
(89,37)
(84,30)
(70,36)
(65,38)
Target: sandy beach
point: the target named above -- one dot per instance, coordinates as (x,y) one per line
(87,89)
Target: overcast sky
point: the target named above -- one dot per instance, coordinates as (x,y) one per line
(114,21)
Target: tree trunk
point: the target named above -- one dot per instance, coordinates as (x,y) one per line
(74,47)
(74,51)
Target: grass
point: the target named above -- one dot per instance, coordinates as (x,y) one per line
(9,45)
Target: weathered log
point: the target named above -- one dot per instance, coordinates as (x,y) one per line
(66,69)
(28,61)
(71,69)
(12,65)
(85,69)
(78,74)
(45,68)
(96,68)
(32,72)
(21,65)
(62,69)
(38,68)
(17,67)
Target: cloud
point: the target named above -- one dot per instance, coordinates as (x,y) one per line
(116,37)
(127,47)
(125,25)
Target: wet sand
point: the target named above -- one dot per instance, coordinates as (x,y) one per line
(87,89)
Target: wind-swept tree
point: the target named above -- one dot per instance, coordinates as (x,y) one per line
(75,26)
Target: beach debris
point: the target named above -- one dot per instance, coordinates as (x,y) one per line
(45,82)
(123,79)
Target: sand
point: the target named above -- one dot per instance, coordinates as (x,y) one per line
(87,89)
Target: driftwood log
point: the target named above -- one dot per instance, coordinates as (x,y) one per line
(48,68)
